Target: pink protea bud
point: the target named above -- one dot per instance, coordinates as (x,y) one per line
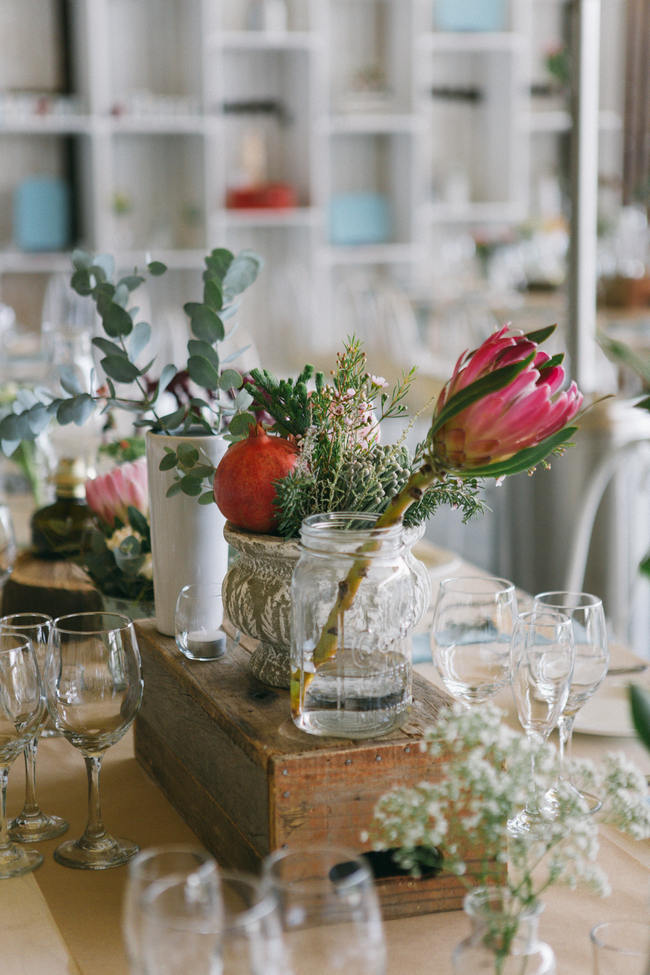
(111,494)
(513,417)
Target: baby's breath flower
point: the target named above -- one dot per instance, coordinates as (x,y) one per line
(483,781)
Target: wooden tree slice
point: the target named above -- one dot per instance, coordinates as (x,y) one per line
(51,586)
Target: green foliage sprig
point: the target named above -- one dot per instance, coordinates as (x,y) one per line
(123,347)
(118,559)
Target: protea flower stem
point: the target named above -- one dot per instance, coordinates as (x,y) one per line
(327,644)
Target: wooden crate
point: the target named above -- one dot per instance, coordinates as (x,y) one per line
(225,752)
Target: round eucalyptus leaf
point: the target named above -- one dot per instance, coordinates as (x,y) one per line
(75,410)
(173,489)
(203,372)
(191,485)
(38,418)
(108,347)
(168,462)
(207,498)
(139,338)
(206,324)
(107,263)
(156,268)
(197,347)
(218,261)
(240,424)
(80,282)
(119,368)
(187,454)
(81,259)
(166,377)
(69,380)
(212,294)
(241,274)
(230,379)
(116,320)
(121,297)
(131,281)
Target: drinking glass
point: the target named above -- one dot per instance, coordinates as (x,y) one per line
(182,925)
(542,660)
(147,867)
(32,824)
(470,638)
(21,713)
(198,622)
(252,941)
(94,689)
(621,948)
(592,660)
(329,911)
(7,545)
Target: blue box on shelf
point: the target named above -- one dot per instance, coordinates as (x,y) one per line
(42,214)
(478,15)
(359,218)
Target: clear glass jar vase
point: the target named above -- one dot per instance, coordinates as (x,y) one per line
(360,687)
(503,939)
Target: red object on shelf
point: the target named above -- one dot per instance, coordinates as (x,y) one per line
(271,195)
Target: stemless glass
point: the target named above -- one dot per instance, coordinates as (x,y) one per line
(7,545)
(592,660)
(182,925)
(252,941)
(470,638)
(94,689)
(21,713)
(147,867)
(329,910)
(32,824)
(621,947)
(543,655)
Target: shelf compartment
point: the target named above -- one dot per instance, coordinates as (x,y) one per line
(475,150)
(266,101)
(375,166)
(43,155)
(368,41)
(152,51)
(155,196)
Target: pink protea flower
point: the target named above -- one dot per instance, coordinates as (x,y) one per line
(111,494)
(509,418)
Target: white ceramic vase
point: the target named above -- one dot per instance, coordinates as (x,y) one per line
(187,542)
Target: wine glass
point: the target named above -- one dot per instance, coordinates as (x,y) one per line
(470,637)
(542,660)
(329,910)
(182,924)
(147,867)
(32,824)
(94,689)
(21,713)
(592,660)
(7,545)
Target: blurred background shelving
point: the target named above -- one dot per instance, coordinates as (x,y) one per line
(402,166)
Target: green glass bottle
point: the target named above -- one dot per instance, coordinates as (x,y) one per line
(58,528)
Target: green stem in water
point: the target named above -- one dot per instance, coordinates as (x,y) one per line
(327,644)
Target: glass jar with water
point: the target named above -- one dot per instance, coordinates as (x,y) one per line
(354,604)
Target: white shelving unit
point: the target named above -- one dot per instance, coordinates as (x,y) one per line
(154,112)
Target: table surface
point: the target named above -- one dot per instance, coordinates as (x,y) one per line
(58,921)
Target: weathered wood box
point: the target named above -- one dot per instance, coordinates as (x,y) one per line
(225,752)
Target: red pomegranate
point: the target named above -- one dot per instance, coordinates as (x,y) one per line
(243,482)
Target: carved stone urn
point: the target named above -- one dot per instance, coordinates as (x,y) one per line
(257,598)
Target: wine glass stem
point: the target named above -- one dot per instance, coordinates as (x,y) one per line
(95,827)
(31,805)
(4,829)
(565,734)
